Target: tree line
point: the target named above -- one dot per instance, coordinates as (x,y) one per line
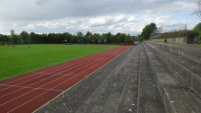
(78,38)
(58,38)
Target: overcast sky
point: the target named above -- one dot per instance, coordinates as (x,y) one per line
(96,16)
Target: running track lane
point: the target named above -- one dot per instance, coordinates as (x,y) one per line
(28,92)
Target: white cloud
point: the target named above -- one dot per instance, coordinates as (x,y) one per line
(119,18)
(132,18)
(129,16)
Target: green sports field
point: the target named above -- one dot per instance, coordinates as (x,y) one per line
(22,58)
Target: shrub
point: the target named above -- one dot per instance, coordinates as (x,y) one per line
(165,40)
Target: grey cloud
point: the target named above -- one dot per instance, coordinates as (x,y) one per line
(71,15)
(52,9)
(41,2)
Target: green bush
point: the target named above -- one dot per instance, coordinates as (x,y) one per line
(165,40)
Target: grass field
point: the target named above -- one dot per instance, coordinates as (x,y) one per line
(22,59)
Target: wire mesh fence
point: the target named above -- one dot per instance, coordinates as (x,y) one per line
(168,29)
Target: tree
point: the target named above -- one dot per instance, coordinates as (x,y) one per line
(33,37)
(95,38)
(15,39)
(88,37)
(197,28)
(108,37)
(88,34)
(198,11)
(80,37)
(128,39)
(3,39)
(25,37)
(153,25)
(147,30)
(67,36)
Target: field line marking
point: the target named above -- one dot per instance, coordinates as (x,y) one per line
(42,80)
(42,76)
(55,86)
(39,87)
(36,72)
(36,96)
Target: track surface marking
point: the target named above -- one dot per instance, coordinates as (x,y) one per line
(28,92)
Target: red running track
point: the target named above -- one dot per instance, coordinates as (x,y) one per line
(26,93)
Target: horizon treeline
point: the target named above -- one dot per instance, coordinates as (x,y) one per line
(61,38)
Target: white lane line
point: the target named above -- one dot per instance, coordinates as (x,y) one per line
(53,87)
(40,94)
(73,66)
(41,86)
(42,71)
